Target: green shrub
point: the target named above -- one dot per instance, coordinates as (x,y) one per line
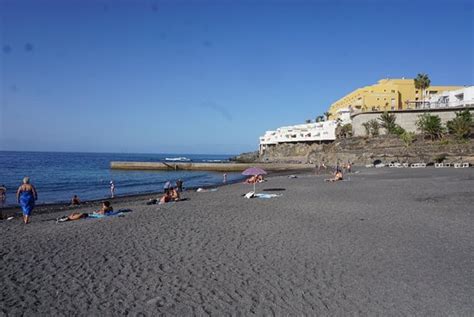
(398,130)
(461,126)
(430,125)
(407,138)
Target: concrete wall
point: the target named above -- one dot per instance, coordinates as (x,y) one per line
(405,118)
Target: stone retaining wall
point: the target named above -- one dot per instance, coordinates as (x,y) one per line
(405,118)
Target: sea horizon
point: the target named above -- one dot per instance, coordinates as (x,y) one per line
(60,175)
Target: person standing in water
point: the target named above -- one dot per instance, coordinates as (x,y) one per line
(112,188)
(26,196)
(224,180)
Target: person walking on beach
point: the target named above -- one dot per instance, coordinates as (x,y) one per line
(112,188)
(26,196)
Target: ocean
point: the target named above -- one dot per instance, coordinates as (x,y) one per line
(58,176)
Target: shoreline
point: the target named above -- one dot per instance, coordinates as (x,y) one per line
(45,208)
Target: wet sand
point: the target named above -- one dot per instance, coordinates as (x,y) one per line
(386,242)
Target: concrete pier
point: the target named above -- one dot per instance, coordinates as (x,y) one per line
(216,167)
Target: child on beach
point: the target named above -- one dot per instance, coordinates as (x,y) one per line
(75,201)
(112,189)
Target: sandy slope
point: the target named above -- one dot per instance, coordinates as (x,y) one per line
(387,242)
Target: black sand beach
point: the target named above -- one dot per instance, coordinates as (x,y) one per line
(386,242)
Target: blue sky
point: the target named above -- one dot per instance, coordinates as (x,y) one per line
(207,76)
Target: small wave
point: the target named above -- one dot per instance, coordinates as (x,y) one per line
(180,159)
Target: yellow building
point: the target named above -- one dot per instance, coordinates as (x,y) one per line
(387,94)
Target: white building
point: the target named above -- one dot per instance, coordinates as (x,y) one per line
(308,132)
(463,97)
(344,115)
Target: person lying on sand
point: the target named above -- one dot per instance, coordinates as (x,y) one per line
(337,177)
(106,207)
(175,194)
(166,198)
(252,179)
(75,216)
(105,211)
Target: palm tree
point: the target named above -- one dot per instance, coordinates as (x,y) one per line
(422,82)
(387,121)
(319,118)
(374,126)
(327,114)
(366,126)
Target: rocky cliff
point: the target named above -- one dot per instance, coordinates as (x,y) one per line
(363,151)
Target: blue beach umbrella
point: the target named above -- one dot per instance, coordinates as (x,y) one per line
(254,171)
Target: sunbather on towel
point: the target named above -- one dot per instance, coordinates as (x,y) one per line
(106,207)
(251,180)
(337,177)
(166,198)
(77,216)
(174,194)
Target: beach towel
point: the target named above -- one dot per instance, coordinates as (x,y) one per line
(27,202)
(267,196)
(204,190)
(109,214)
(119,213)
